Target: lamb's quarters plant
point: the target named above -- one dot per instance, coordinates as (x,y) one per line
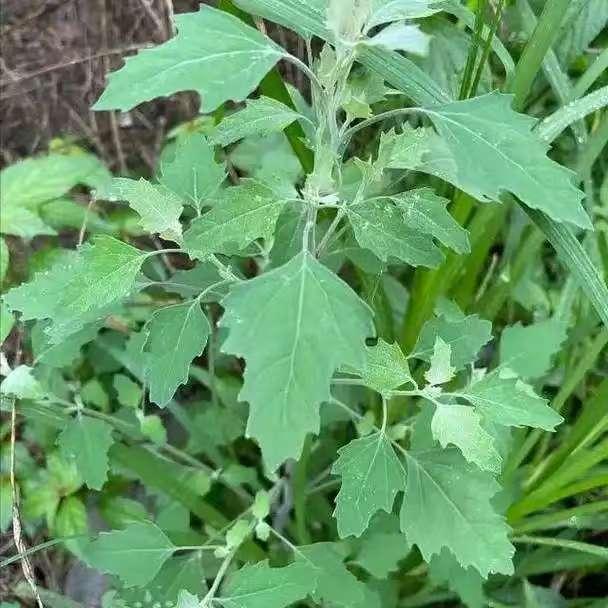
(309,451)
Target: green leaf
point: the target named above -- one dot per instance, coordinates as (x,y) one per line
(33,181)
(240,215)
(424,211)
(466,582)
(335,584)
(307,17)
(371,477)
(86,442)
(464,335)
(259,117)
(385,11)
(402,36)
(79,287)
(65,352)
(71,518)
(193,173)
(176,335)
(294,326)
(134,554)
(158,208)
(386,368)
(19,221)
(382,547)
(528,351)
(379,226)
(460,425)
(441,370)
(129,393)
(447,504)
(495,150)
(260,586)
(510,402)
(22,384)
(214,54)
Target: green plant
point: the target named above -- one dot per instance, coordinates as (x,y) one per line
(426,432)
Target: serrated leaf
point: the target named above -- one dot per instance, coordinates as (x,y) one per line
(86,442)
(22,384)
(294,326)
(402,36)
(193,173)
(260,586)
(465,335)
(447,505)
(176,335)
(79,287)
(213,53)
(460,425)
(441,370)
(259,117)
(158,207)
(379,226)
(424,211)
(466,582)
(240,215)
(510,402)
(528,350)
(386,367)
(134,554)
(371,477)
(335,584)
(495,150)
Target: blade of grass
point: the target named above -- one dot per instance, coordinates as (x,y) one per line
(562,518)
(594,71)
(562,542)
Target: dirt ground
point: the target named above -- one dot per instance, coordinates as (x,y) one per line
(54,57)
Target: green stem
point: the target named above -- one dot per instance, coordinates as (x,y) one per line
(594,71)
(595,145)
(562,543)
(299,492)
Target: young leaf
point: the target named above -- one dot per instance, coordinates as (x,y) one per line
(294,326)
(424,211)
(447,504)
(193,173)
(260,586)
(259,117)
(240,215)
(158,208)
(510,402)
(176,335)
(528,351)
(465,336)
(385,11)
(460,425)
(402,36)
(79,287)
(134,554)
(441,370)
(379,226)
(86,441)
(386,368)
(371,477)
(335,584)
(495,151)
(214,54)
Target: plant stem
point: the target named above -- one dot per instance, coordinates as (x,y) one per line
(563,543)
(299,492)
(545,33)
